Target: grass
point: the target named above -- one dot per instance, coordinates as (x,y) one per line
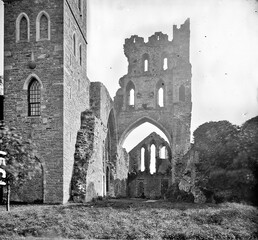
(130,219)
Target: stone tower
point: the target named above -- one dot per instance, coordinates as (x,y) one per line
(46,87)
(157,88)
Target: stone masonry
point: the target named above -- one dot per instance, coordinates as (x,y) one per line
(146,76)
(77,128)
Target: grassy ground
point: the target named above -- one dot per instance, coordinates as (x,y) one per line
(130,219)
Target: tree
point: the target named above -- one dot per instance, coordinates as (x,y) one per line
(21,163)
(228,157)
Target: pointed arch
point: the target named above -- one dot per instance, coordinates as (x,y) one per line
(130,94)
(28,79)
(43,26)
(34,98)
(140,121)
(160,93)
(22,28)
(145,60)
(153,150)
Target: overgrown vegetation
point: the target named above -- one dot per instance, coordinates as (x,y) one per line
(124,219)
(20,161)
(228,160)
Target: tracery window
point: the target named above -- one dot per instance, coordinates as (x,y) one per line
(34,99)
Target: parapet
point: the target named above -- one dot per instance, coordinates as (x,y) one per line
(158,38)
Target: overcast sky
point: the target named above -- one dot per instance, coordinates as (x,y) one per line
(223,51)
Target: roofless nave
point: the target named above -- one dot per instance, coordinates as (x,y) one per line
(78,129)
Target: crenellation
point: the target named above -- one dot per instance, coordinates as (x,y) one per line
(78,130)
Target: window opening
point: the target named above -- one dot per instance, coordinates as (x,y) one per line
(43,27)
(79,5)
(146,63)
(107,179)
(165,64)
(80,54)
(153,159)
(74,45)
(161,97)
(131,97)
(23,29)
(34,98)
(162,152)
(142,159)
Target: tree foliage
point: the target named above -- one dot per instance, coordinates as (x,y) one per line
(21,163)
(228,159)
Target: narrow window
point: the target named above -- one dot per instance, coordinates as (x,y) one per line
(165,64)
(142,159)
(162,152)
(23,29)
(107,179)
(34,98)
(130,92)
(43,26)
(145,59)
(131,97)
(74,45)
(161,97)
(80,54)
(153,159)
(182,93)
(145,65)
(43,31)
(79,5)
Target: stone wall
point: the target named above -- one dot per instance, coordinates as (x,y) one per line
(173,116)
(50,62)
(101,166)
(76,84)
(147,185)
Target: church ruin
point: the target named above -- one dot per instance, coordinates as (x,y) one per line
(79,130)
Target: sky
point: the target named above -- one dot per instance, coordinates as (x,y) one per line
(223,51)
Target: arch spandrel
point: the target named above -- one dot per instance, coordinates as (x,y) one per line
(123,133)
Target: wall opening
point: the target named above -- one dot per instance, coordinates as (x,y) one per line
(165,64)
(43,27)
(161,97)
(153,159)
(131,97)
(145,59)
(80,54)
(34,98)
(130,94)
(23,29)
(140,132)
(146,63)
(142,159)
(74,45)
(107,179)
(163,152)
